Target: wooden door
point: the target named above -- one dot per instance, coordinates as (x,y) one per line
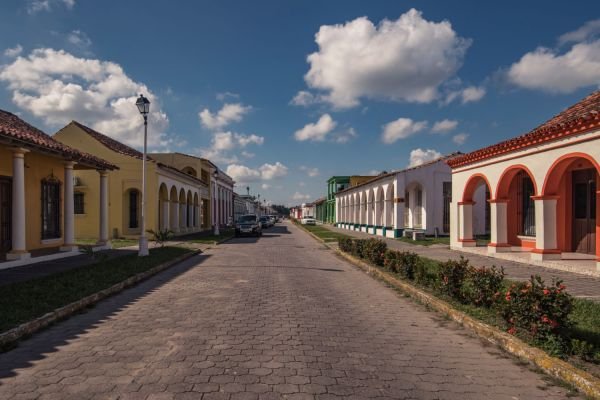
(584,211)
(5,215)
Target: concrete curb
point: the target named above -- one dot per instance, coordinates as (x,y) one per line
(555,367)
(30,327)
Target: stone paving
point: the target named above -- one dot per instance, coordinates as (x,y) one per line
(280,317)
(579,285)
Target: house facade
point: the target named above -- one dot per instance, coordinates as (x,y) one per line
(543,188)
(414,199)
(334,185)
(37,193)
(321,209)
(174,198)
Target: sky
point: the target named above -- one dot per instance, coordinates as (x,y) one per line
(283,95)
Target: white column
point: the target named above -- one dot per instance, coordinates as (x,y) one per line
(499,227)
(546,245)
(68,210)
(19,223)
(465,224)
(174,217)
(398,218)
(166,210)
(103,228)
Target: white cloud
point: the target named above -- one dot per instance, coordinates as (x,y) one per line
(402,60)
(223,142)
(420,156)
(556,71)
(241,173)
(224,95)
(344,136)
(401,129)
(318,131)
(460,138)
(444,126)
(229,113)
(265,186)
(34,6)
(14,51)
(312,172)
(304,98)
(266,172)
(300,196)
(588,30)
(247,154)
(465,95)
(79,39)
(58,87)
(272,171)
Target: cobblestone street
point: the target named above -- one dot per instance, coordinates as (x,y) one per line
(278,317)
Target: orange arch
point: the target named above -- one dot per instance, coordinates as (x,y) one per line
(472,184)
(506,178)
(558,168)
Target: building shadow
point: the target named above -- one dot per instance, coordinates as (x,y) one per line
(43,343)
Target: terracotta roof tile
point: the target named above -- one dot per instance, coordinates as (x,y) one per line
(110,142)
(16,129)
(580,117)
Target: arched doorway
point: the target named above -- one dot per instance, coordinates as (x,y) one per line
(189,213)
(174,214)
(163,207)
(514,204)
(414,206)
(132,211)
(389,200)
(379,208)
(569,196)
(474,211)
(196,211)
(182,210)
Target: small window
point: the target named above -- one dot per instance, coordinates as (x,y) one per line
(79,203)
(50,208)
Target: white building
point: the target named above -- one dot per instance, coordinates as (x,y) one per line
(221,192)
(244,204)
(308,210)
(414,199)
(543,187)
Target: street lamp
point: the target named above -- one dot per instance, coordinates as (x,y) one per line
(143,105)
(216,175)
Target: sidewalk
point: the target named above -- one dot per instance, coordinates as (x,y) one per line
(579,285)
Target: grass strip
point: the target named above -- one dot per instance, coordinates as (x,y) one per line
(213,239)
(116,243)
(24,301)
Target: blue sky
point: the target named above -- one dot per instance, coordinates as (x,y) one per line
(432,78)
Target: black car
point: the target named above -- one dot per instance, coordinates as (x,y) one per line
(248,225)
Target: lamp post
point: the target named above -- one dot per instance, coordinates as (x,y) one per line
(143,105)
(216,231)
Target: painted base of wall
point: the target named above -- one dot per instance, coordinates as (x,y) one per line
(491,249)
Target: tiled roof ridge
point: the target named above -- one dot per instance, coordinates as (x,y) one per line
(16,128)
(578,118)
(111,143)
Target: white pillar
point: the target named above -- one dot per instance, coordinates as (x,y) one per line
(546,245)
(398,217)
(166,209)
(103,228)
(499,227)
(174,217)
(19,223)
(68,210)
(465,224)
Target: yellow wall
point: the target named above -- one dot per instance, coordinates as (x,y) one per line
(37,167)
(129,176)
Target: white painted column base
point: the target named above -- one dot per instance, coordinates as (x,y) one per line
(499,249)
(18,256)
(69,247)
(468,243)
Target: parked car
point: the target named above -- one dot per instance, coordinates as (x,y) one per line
(308,221)
(273,219)
(265,222)
(248,224)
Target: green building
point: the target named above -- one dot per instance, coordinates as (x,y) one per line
(320,209)
(336,184)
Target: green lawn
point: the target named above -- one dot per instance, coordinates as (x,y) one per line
(23,301)
(428,241)
(116,243)
(324,233)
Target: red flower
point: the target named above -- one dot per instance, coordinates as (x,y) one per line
(546,292)
(512,330)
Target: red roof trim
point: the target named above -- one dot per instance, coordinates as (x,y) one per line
(579,118)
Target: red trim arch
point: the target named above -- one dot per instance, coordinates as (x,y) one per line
(502,189)
(558,168)
(472,184)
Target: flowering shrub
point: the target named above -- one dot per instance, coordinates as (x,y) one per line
(452,275)
(483,285)
(374,251)
(536,310)
(345,244)
(392,260)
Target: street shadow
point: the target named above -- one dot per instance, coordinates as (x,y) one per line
(40,345)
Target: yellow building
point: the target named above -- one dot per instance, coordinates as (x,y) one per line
(37,199)
(174,198)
